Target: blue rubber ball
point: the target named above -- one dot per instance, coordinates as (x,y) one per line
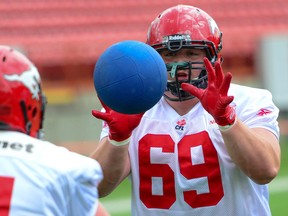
(130,77)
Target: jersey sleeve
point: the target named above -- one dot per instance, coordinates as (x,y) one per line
(77,181)
(84,197)
(255,107)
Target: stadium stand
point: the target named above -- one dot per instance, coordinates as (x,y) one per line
(67,36)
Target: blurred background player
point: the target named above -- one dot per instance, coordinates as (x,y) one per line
(207,147)
(37,177)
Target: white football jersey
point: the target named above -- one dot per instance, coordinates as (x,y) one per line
(40,178)
(180,165)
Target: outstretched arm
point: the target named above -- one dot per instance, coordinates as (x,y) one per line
(112,151)
(256,151)
(115,164)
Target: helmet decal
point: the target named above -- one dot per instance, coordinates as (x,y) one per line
(22,102)
(30,79)
(213,26)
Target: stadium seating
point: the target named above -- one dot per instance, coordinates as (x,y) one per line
(76,32)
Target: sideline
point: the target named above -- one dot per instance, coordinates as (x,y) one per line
(117,205)
(279,185)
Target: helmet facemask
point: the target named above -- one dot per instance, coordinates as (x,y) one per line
(175,86)
(33,119)
(175,43)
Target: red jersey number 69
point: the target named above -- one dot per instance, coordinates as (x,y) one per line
(209,168)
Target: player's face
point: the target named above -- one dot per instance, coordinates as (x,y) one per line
(184,55)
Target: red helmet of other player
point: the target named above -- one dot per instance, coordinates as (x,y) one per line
(22,103)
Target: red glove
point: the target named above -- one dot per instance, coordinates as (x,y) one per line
(214,98)
(120,125)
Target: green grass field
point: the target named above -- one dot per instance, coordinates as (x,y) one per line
(279,200)
(118,203)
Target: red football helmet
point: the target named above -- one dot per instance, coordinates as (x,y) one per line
(185,26)
(22,103)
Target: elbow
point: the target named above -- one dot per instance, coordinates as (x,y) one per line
(265,176)
(106,188)
(102,192)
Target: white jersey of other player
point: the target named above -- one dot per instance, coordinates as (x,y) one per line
(40,178)
(180,165)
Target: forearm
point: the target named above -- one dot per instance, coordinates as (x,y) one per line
(255,151)
(115,165)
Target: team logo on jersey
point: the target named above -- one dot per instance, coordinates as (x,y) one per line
(263,112)
(30,79)
(180,125)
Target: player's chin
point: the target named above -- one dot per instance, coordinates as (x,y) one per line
(184,100)
(171,96)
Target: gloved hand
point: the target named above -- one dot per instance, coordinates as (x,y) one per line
(120,125)
(214,98)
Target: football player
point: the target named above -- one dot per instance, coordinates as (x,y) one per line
(208,147)
(36,176)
